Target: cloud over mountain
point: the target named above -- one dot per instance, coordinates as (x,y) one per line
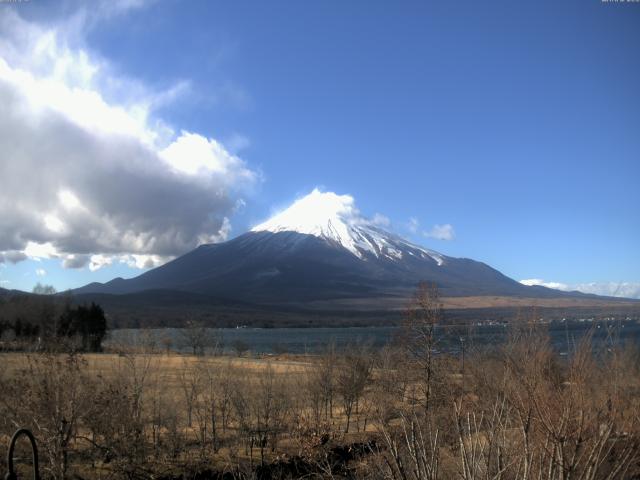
(88,172)
(441,232)
(609,289)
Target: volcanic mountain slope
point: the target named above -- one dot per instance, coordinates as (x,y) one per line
(319,250)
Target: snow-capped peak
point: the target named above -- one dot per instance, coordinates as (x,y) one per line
(336,219)
(318,213)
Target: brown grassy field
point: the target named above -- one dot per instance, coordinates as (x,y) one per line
(170,366)
(178,385)
(405,412)
(485,301)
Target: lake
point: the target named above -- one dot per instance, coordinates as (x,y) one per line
(313,340)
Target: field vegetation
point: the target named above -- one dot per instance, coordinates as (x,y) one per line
(515,411)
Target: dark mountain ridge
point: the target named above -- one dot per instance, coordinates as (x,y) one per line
(289,267)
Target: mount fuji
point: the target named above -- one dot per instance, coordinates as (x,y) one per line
(319,254)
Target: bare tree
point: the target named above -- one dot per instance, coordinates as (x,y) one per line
(270,405)
(200,339)
(261,408)
(41,289)
(319,387)
(194,337)
(124,397)
(190,380)
(418,336)
(213,404)
(352,376)
(411,449)
(240,347)
(50,396)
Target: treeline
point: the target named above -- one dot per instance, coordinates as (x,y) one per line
(514,411)
(46,321)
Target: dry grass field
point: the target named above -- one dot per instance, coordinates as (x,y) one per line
(406,412)
(170,366)
(256,401)
(484,302)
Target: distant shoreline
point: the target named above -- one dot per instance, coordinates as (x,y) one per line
(311,340)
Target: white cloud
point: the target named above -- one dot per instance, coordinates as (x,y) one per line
(613,289)
(441,232)
(98,261)
(413,225)
(610,289)
(53,223)
(538,281)
(223,233)
(381,220)
(192,153)
(68,200)
(38,251)
(88,172)
(41,272)
(143,261)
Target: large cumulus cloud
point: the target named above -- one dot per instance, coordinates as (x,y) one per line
(89,175)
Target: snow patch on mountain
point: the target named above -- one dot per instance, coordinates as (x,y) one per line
(335,219)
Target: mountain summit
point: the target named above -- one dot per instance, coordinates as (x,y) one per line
(320,253)
(335,219)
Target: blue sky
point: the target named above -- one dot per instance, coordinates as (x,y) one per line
(514,124)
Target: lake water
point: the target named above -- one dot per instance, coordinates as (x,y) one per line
(313,340)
